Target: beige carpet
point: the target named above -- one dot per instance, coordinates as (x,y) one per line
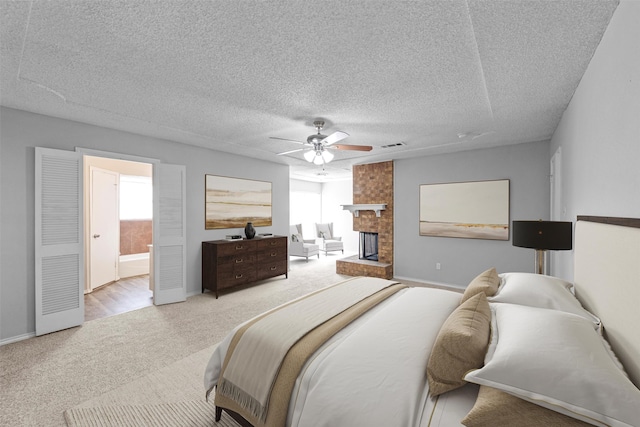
(144,363)
(42,377)
(170,397)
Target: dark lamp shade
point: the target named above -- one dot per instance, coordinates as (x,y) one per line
(547,235)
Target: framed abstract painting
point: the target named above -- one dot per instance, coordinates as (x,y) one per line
(471,210)
(232,202)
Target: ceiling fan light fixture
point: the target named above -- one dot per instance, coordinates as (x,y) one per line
(310,155)
(327,156)
(316,153)
(315,139)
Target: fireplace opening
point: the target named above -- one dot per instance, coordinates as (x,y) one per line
(369,246)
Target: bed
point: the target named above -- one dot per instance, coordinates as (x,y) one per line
(513,349)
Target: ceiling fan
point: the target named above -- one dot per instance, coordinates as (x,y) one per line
(320,145)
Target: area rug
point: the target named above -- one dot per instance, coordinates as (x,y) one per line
(173,396)
(188,414)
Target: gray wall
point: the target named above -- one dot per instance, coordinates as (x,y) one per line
(600,131)
(415,256)
(20,132)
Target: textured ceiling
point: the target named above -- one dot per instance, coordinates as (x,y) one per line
(437,76)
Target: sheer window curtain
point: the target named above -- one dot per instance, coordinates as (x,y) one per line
(305,208)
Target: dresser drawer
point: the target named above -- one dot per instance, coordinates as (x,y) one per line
(236,260)
(228,279)
(235,248)
(272,254)
(232,270)
(271,243)
(270,269)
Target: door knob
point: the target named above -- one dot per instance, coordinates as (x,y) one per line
(95,236)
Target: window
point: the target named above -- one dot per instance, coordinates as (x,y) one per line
(305,209)
(136,197)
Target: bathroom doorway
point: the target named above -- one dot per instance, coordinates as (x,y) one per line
(62,234)
(119,212)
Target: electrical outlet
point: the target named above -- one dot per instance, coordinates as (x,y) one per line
(437,266)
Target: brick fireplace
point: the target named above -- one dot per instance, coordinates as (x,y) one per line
(372,184)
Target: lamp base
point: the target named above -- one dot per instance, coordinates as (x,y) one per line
(540,261)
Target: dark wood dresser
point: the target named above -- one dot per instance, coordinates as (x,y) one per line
(229,263)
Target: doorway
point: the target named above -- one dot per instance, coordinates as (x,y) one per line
(103,226)
(119,229)
(131,293)
(61,235)
(556,204)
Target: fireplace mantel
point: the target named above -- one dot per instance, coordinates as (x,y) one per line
(355,209)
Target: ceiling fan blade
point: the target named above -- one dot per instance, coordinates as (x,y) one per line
(335,137)
(352,147)
(290,151)
(285,139)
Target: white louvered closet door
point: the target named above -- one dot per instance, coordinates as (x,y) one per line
(59,244)
(169,234)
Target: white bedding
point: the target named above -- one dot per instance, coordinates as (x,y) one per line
(373,372)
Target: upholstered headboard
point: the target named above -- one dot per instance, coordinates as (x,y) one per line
(607,279)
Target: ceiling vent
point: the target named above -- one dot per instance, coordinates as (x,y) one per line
(393,145)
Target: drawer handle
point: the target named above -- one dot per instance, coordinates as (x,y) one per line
(273,268)
(238,261)
(238,276)
(274,253)
(239,247)
(273,243)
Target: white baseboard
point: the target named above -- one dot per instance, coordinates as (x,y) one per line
(17,338)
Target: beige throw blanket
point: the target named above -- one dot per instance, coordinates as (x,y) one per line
(260,351)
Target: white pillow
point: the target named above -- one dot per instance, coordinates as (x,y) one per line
(324,231)
(493,335)
(537,278)
(493,342)
(557,360)
(537,290)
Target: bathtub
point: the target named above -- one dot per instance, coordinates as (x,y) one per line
(133,265)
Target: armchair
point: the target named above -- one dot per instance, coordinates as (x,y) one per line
(329,242)
(299,246)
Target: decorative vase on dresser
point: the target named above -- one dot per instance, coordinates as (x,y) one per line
(229,263)
(249,231)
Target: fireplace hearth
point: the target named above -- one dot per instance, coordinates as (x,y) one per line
(368,246)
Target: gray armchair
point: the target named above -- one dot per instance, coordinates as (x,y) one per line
(299,246)
(328,241)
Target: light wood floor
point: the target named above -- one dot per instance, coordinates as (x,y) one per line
(118,297)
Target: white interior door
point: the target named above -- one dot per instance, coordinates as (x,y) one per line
(169,234)
(105,227)
(556,203)
(59,244)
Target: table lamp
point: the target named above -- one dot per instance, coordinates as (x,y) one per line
(542,236)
